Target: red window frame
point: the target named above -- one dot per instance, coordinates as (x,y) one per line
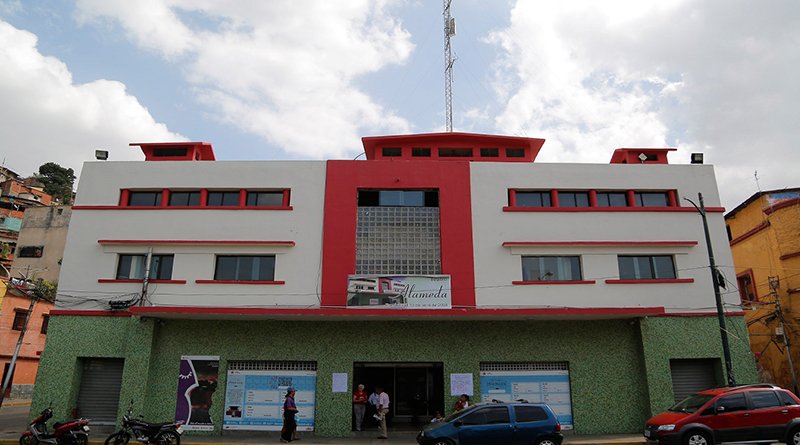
(740,278)
(165,194)
(672,200)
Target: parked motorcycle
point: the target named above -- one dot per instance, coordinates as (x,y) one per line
(168,433)
(69,432)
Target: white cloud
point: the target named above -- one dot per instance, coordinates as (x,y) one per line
(284,70)
(717,77)
(46,117)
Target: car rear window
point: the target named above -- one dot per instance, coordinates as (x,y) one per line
(487,416)
(787,398)
(764,399)
(530,414)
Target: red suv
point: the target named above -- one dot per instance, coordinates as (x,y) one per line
(732,414)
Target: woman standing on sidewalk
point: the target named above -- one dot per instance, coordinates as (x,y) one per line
(288,433)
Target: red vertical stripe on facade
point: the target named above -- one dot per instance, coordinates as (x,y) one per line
(345,178)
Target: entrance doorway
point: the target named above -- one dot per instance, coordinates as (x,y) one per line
(415,389)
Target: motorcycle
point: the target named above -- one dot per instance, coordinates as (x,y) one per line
(69,432)
(168,433)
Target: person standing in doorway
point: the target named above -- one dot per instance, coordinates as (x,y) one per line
(383,410)
(288,432)
(359,406)
(372,404)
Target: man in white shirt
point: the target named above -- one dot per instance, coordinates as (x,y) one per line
(383,409)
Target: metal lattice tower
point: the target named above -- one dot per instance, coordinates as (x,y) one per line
(449,31)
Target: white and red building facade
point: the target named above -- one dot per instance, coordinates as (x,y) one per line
(441,264)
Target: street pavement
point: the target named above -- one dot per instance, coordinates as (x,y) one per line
(14,418)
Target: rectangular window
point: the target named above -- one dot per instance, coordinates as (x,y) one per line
(490,152)
(223,199)
(515,152)
(245,268)
(265,199)
(45,322)
(170,152)
(653,267)
(31,252)
(398,198)
(421,152)
(573,199)
(144,199)
(183,199)
(131,267)
(551,268)
(455,152)
(612,199)
(533,199)
(19,320)
(651,199)
(393,151)
(747,289)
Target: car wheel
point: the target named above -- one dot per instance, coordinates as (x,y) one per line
(794,437)
(697,437)
(442,442)
(546,441)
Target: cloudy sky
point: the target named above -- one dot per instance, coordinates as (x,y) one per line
(303,79)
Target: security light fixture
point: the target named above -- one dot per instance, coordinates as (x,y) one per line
(697,158)
(101,155)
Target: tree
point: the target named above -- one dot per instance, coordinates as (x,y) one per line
(57,180)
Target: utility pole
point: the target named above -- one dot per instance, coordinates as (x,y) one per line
(774,284)
(715,275)
(7,382)
(449,31)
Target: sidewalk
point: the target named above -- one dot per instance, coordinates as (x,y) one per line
(370,438)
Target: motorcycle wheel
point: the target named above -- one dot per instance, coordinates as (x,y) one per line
(168,438)
(118,438)
(82,440)
(28,440)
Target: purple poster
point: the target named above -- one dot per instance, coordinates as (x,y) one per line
(197,383)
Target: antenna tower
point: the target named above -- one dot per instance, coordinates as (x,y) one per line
(449,31)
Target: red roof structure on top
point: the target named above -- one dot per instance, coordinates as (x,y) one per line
(452,147)
(176,151)
(632,155)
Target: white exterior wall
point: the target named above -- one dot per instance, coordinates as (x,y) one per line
(86,261)
(497,266)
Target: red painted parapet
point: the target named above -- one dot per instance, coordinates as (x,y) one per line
(176,151)
(452,147)
(641,155)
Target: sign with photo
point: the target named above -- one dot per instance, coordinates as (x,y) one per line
(254,399)
(197,382)
(399,292)
(550,387)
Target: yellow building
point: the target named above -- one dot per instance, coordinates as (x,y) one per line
(764,233)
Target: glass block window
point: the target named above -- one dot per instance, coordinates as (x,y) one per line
(398,241)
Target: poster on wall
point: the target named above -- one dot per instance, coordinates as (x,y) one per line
(399,292)
(254,399)
(197,382)
(550,387)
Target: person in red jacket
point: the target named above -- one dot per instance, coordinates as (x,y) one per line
(359,406)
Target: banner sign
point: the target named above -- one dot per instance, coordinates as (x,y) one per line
(254,399)
(399,292)
(197,382)
(550,387)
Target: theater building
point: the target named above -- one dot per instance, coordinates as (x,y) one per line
(441,264)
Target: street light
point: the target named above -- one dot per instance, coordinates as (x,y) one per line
(715,275)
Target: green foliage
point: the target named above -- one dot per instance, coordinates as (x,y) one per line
(58,181)
(47,289)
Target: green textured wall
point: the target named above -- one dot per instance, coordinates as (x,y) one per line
(665,338)
(607,359)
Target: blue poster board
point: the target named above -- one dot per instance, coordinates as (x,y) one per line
(254,399)
(550,387)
